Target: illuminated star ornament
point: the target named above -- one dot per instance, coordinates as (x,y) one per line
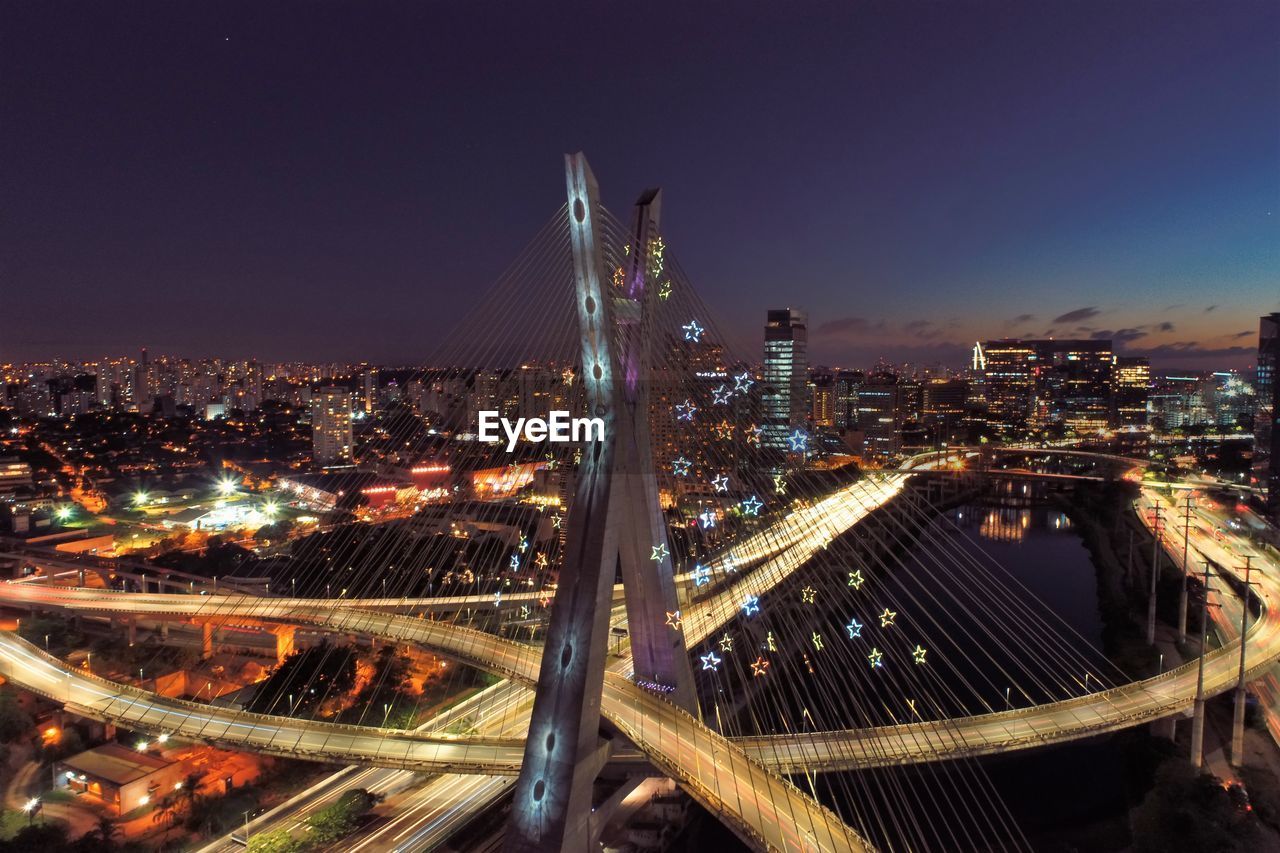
(720,482)
(726,642)
(770,642)
(808,595)
(708,519)
(742,382)
(751,605)
(855,578)
(545,600)
(701,575)
(724,430)
(754,434)
(752,505)
(919,653)
(524,544)
(887,617)
(541,560)
(664,291)
(555,521)
(721,395)
(685,410)
(779,485)
(660,552)
(497,598)
(876,658)
(760,667)
(693,332)
(524,611)
(515,562)
(798,441)
(854,628)
(674,620)
(681,467)
(710,661)
(817,641)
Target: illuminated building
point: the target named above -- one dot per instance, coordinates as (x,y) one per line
(1266,446)
(880,414)
(1073,384)
(786,375)
(822,401)
(1008,381)
(331,425)
(1130,388)
(943,403)
(847,383)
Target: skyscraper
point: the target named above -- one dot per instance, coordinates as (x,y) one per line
(786,376)
(1008,380)
(1266,445)
(1130,389)
(331,438)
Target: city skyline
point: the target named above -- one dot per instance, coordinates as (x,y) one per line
(891,184)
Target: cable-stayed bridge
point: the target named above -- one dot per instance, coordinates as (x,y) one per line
(789,642)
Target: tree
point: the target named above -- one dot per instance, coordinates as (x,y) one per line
(106,832)
(276,841)
(15,723)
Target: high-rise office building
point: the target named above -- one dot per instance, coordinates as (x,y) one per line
(1007,369)
(822,400)
(880,413)
(786,376)
(1130,389)
(1266,444)
(331,437)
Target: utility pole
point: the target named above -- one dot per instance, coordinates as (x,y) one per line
(1186,571)
(1155,574)
(1197,720)
(1237,727)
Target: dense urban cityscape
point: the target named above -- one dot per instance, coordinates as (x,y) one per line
(906,479)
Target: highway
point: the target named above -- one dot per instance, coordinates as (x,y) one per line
(722,774)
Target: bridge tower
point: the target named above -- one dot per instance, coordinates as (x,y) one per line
(615,525)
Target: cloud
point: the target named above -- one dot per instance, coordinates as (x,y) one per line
(923,329)
(1020,319)
(1193,349)
(843,325)
(1119,336)
(1078,315)
(1175,306)
(1247,333)
(1166,326)
(1210,308)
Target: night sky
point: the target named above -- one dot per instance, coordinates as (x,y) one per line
(335,181)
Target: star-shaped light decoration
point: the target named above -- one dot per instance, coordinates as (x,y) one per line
(887,617)
(817,641)
(855,578)
(515,562)
(724,430)
(759,667)
(664,291)
(730,566)
(726,642)
(540,560)
(710,661)
(497,598)
(720,395)
(854,628)
(752,506)
(701,575)
(770,642)
(567,376)
(681,467)
(545,600)
(693,332)
(524,544)
(742,382)
(754,434)
(808,595)
(660,552)
(919,653)
(720,482)
(876,658)
(555,521)
(685,410)
(751,605)
(779,485)
(524,611)
(674,619)
(798,441)
(708,519)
